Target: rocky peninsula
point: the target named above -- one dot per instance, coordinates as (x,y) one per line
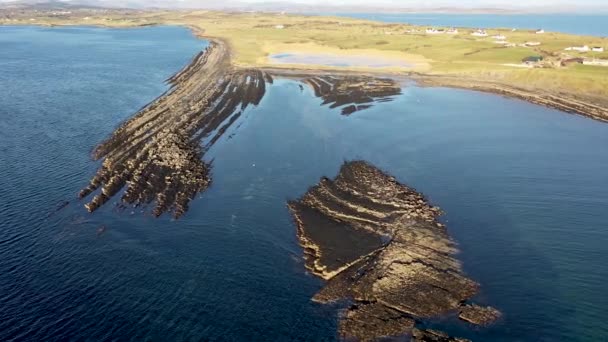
(560,79)
(378,244)
(157,155)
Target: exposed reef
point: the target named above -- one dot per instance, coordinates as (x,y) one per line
(478,315)
(157,154)
(353,93)
(378,244)
(434,336)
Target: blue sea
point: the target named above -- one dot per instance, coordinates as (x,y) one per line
(592,25)
(524,189)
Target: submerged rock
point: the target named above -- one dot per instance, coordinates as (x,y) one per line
(434,336)
(478,315)
(353,93)
(377,243)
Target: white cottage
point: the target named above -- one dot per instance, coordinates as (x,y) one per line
(583,48)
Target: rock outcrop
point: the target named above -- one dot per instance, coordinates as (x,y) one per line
(478,315)
(157,155)
(353,93)
(378,243)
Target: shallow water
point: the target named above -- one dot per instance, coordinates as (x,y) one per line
(583,24)
(336,60)
(524,189)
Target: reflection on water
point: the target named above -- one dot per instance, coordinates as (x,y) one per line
(524,189)
(353,93)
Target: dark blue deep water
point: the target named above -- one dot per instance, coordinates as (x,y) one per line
(524,188)
(587,24)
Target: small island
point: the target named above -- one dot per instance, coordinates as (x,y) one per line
(378,244)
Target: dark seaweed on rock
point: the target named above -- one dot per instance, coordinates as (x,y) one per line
(377,243)
(353,93)
(156,156)
(434,336)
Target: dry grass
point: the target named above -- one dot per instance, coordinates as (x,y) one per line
(253,37)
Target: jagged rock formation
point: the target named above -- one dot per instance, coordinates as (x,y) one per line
(434,336)
(478,315)
(377,243)
(353,93)
(157,154)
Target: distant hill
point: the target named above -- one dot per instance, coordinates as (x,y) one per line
(280,6)
(45,4)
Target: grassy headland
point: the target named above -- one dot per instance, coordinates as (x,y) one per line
(463,59)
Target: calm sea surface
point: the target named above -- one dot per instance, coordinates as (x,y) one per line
(593,25)
(525,190)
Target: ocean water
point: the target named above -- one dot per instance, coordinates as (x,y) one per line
(524,188)
(582,24)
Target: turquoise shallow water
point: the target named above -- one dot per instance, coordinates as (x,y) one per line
(524,189)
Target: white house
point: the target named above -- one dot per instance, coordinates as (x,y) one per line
(279,27)
(499,37)
(532,43)
(583,48)
(433,30)
(596,62)
(480,33)
(452,31)
(597,49)
(540,31)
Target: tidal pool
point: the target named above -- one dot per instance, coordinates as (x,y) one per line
(333,60)
(524,188)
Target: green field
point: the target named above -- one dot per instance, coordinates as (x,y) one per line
(254,36)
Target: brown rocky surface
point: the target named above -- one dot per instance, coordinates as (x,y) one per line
(434,336)
(378,244)
(478,315)
(352,93)
(157,154)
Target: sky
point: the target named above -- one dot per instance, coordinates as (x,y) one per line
(506,4)
(410,3)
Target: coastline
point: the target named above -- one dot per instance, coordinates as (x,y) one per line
(563,102)
(578,104)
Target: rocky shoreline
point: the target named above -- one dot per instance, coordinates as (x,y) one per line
(378,244)
(578,104)
(575,104)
